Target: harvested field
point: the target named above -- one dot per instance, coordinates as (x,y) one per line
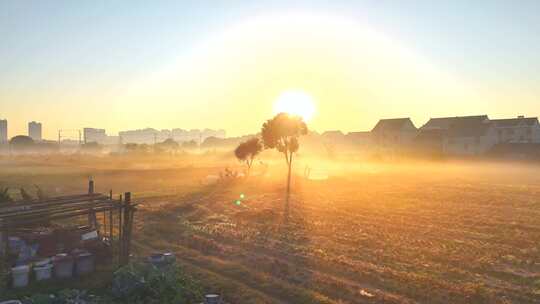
(394,233)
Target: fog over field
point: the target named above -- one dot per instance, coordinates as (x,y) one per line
(400,231)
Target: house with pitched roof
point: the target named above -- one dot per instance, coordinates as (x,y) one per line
(394,133)
(359,138)
(517,130)
(460,135)
(444,123)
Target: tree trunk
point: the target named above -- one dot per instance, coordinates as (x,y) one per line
(289,180)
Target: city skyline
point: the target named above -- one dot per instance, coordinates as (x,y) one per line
(195,134)
(220,63)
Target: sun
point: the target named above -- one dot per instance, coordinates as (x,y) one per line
(295,102)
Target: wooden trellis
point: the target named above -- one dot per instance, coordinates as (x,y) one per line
(117,212)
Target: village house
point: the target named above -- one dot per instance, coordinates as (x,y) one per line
(396,133)
(460,135)
(517,130)
(333,136)
(359,138)
(465,135)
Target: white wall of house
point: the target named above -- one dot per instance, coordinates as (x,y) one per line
(536,134)
(393,139)
(520,133)
(471,145)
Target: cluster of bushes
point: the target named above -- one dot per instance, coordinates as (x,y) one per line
(144,283)
(5,196)
(136,283)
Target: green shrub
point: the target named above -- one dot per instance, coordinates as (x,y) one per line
(144,283)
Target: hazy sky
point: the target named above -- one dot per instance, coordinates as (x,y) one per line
(221,64)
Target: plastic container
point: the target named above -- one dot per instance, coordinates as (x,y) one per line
(84,263)
(20,275)
(169,257)
(42,262)
(15,244)
(63,266)
(212,299)
(156,259)
(43,272)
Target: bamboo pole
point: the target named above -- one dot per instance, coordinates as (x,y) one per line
(50,203)
(55,210)
(125,236)
(16,223)
(120,232)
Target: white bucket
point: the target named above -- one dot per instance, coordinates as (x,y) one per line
(43,272)
(20,275)
(63,266)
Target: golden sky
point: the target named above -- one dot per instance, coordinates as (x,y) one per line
(231,79)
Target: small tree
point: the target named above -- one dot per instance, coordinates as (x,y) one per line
(248,151)
(281,133)
(169,144)
(192,144)
(4,195)
(25,195)
(21,143)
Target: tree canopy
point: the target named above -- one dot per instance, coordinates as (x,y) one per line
(248,150)
(282,132)
(21,142)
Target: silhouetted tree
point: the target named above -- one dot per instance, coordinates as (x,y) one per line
(39,192)
(281,133)
(137,148)
(170,144)
(21,142)
(248,151)
(91,147)
(25,195)
(4,196)
(190,144)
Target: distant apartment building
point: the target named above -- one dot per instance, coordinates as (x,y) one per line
(150,135)
(94,135)
(517,130)
(142,136)
(3,131)
(34,130)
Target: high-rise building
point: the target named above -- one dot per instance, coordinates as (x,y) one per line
(34,130)
(94,135)
(3,131)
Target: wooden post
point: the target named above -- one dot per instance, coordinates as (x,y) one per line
(111,225)
(127,224)
(5,237)
(91,186)
(120,232)
(4,242)
(105,216)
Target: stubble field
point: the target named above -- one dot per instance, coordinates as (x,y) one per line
(370,233)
